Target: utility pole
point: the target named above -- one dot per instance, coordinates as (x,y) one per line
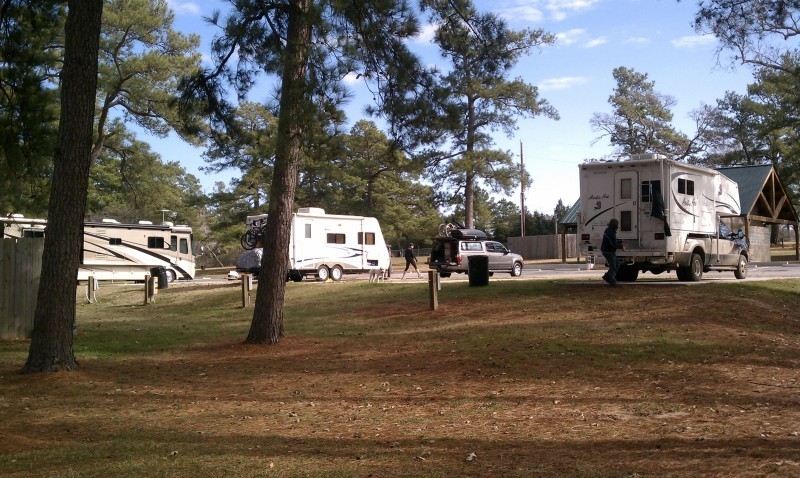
(521,193)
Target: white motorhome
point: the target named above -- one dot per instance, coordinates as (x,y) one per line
(672,216)
(124,252)
(329,245)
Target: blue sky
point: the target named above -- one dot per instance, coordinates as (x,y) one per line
(593,37)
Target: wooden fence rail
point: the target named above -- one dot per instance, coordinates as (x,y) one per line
(20,270)
(543,247)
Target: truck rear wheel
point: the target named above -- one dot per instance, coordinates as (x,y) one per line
(741,268)
(695,272)
(627,274)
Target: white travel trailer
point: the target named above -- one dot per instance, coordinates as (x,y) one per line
(672,216)
(329,246)
(124,252)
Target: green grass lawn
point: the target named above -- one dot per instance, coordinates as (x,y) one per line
(517,379)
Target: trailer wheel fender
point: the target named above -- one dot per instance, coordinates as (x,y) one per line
(741,267)
(337,272)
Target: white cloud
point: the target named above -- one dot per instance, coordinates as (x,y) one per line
(186,8)
(579,35)
(595,42)
(561,9)
(563,83)
(523,13)
(637,40)
(570,36)
(351,78)
(694,41)
(425,34)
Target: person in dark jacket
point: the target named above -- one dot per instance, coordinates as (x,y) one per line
(411,260)
(609,249)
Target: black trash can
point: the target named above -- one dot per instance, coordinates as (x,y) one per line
(160,274)
(478,270)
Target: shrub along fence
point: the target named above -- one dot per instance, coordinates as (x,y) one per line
(20,270)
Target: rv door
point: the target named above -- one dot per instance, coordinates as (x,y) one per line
(626,202)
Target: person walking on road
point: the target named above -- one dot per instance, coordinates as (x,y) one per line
(411,260)
(609,249)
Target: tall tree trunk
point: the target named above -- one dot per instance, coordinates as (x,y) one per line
(267,324)
(469,180)
(51,346)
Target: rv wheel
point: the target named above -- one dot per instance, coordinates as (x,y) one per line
(171,276)
(741,268)
(323,273)
(337,273)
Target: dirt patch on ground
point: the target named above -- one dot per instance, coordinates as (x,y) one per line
(645,382)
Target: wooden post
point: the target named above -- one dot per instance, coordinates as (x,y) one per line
(91,290)
(433,289)
(247,286)
(149,289)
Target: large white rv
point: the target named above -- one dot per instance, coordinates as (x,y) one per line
(329,246)
(672,216)
(125,252)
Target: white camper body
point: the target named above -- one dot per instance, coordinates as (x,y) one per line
(670,215)
(328,245)
(123,252)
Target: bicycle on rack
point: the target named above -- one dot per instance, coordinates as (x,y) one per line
(446,228)
(254,235)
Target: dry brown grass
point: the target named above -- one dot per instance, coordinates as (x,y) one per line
(521,378)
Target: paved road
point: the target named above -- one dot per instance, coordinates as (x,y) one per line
(757,271)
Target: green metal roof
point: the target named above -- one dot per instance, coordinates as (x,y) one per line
(751,180)
(571,217)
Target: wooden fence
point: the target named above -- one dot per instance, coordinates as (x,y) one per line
(20,270)
(543,247)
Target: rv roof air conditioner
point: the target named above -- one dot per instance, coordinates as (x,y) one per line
(311,210)
(645,156)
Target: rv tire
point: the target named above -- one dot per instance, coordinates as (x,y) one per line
(171,276)
(337,273)
(323,273)
(741,267)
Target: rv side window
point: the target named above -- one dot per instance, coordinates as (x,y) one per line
(336,238)
(155,242)
(114,241)
(686,186)
(308,231)
(625,221)
(647,190)
(173,243)
(625,188)
(184,246)
(367,238)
